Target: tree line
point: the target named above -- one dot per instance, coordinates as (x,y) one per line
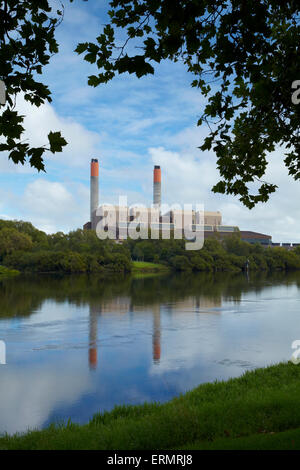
(230,254)
(28,249)
(24,247)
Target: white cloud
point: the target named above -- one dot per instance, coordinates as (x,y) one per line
(51,197)
(38,122)
(189,174)
(52,206)
(186,178)
(82,143)
(28,397)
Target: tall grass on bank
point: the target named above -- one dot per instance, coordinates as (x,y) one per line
(260,408)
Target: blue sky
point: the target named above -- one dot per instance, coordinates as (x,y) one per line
(129,124)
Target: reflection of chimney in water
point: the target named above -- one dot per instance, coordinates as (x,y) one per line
(156,350)
(93,356)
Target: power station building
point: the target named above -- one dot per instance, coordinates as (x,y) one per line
(119,218)
(254,237)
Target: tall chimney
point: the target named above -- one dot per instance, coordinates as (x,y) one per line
(94,191)
(157,186)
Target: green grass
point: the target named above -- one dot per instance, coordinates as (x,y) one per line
(5,272)
(259,410)
(286,440)
(144,266)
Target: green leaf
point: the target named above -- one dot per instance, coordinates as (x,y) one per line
(81,47)
(56,141)
(36,158)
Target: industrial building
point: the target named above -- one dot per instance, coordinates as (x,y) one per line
(175,219)
(254,237)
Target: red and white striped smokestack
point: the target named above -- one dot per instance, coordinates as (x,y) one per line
(157,186)
(94,191)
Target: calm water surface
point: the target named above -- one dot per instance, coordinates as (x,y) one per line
(77,345)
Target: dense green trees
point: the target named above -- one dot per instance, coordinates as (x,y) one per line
(11,240)
(24,247)
(231,254)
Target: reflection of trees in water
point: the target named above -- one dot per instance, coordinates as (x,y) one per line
(17,299)
(24,295)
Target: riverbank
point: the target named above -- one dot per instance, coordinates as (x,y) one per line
(5,272)
(259,410)
(146,267)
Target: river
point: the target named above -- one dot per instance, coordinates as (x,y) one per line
(77,345)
